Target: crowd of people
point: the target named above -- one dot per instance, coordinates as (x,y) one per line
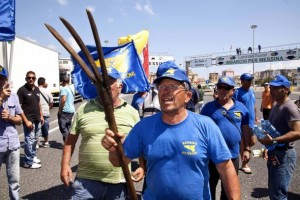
(169,129)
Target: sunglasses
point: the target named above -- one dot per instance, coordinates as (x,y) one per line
(30,77)
(224,87)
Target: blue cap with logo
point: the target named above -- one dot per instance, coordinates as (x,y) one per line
(170,70)
(3,72)
(112,72)
(280,80)
(246,76)
(226,80)
(163,67)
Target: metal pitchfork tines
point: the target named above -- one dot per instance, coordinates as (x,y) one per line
(101,83)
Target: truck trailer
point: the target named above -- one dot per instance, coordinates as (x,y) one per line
(66,66)
(23,56)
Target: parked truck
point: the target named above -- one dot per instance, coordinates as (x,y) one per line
(23,56)
(65,68)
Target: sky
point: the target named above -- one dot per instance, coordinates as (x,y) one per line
(179,28)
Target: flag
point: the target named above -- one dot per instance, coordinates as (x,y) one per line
(123,58)
(7,20)
(141,43)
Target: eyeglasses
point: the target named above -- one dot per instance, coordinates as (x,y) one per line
(30,77)
(224,87)
(171,87)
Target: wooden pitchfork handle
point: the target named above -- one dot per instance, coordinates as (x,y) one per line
(101,83)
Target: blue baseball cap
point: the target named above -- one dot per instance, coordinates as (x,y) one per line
(226,80)
(246,76)
(280,80)
(170,70)
(163,67)
(3,72)
(112,72)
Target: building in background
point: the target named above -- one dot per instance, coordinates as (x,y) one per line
(154,62)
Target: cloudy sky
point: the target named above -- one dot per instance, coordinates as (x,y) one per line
(180,28)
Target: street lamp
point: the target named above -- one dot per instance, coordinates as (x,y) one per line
(253,27)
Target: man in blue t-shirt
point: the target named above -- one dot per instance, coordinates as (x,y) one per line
(66,108)
(246,95)
(177,145)
(232,118)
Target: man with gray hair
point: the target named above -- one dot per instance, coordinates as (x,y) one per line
(177,145)
(96,177)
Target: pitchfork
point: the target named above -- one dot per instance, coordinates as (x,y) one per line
(101,83)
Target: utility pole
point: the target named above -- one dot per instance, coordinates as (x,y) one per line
(253,27)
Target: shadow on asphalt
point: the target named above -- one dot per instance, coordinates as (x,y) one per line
(263,192)
(55,193)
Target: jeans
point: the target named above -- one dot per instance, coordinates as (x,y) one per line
(91,189)
(45,127)
(215,176)
(31,137)
(280,175)
(12,160)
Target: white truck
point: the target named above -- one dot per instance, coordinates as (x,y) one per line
(29,56)
(65,68)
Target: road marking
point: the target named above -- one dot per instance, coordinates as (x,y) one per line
(54,129)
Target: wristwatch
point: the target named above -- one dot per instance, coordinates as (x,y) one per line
(274,141)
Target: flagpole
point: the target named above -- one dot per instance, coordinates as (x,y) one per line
(4,50)
(11,56)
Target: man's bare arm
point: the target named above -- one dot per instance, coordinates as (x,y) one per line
(230,180)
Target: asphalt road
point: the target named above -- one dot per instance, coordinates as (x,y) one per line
(45,184)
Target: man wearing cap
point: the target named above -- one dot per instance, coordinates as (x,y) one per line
(177,145)
(232,118)
(246,95)
(96,178)
(10,110)
(266,101)
(285,117)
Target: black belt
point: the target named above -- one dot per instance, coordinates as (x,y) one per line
(283,148)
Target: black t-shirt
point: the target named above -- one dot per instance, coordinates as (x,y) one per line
(30,101)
